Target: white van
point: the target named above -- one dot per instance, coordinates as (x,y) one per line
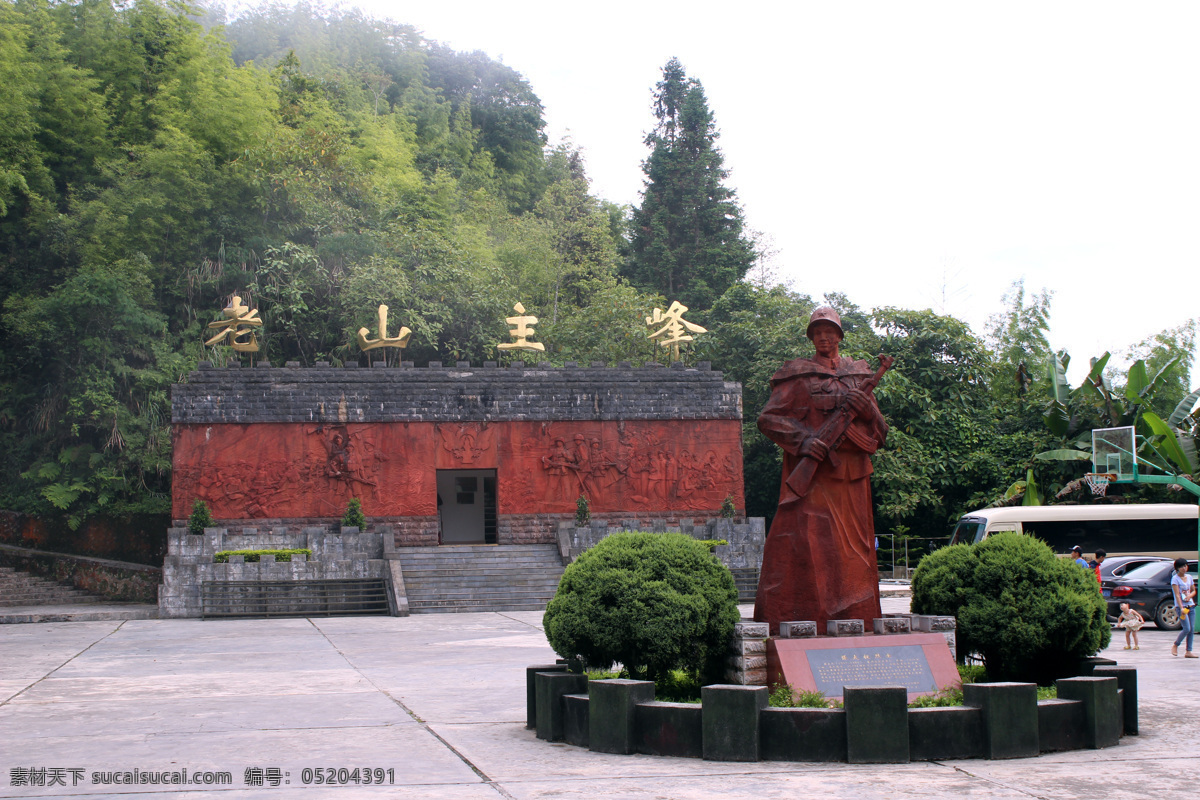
(1170,530)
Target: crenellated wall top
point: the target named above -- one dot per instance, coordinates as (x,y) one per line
(457,392)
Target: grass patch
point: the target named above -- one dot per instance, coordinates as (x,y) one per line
(784,696)
(678,686)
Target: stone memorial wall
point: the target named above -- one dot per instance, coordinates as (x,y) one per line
(296,444)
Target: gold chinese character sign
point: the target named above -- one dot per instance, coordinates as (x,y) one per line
(240,321)
(522,330)
(400,340)
(674,327)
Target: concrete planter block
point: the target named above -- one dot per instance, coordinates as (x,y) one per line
(1088,665)
(670,729)
(731,730)
(1010,717)
(891,625)
(612,713)
(797,630)
(803,734)
(939,733)
(751,630)
(550,687)
(929,623)
(876,724)
(1127,685)
(1101,708)
(576,727)
(237,560)
(531,690)
(1060,725)
(844,627)
(748,663)
(752,677)
(748,647)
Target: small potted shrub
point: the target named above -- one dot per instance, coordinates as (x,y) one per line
(354,517)
(200,518)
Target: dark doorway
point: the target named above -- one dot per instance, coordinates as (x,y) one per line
(467,506)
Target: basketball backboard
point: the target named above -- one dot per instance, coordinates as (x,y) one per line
(1114,451)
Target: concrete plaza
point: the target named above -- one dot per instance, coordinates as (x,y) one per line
(436,703)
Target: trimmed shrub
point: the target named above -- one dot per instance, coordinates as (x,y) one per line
(654,602)
(1029,614)
(583,513)
(251,556)
(200,518)
(354,516)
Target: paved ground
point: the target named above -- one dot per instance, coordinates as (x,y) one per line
(439,700)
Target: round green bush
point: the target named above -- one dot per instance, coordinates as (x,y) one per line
(1030,614)
(653,602)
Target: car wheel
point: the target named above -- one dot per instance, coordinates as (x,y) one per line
(1166,618)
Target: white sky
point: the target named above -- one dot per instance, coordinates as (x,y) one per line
(918,154)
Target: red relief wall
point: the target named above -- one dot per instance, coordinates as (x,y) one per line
(290,470)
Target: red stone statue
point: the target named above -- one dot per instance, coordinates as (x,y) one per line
(819,559)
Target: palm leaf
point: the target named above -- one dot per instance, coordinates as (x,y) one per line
(1183,410)
(1167,445)
(1064,455)
(1137,382)
(1056,374)
(1032,497)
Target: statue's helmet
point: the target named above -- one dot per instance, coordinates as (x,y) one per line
(825,314)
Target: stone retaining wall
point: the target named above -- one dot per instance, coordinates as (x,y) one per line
(734,723)
(336,554)
(116,580)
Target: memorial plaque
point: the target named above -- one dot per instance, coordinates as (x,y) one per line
(920,662)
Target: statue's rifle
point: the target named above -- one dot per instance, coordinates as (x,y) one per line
(833,432)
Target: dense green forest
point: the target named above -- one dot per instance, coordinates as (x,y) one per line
(156,159)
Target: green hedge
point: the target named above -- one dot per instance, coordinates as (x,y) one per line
(654,602)
(222,557)
(1029,614)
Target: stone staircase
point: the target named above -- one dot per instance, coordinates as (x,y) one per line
(480,577)
(22,589)
(746,579)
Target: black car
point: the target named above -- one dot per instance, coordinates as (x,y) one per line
(1147,589)
(1116,566)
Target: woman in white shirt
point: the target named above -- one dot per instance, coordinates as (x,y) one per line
(1184,590)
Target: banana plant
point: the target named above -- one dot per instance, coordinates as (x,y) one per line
(1170,440)
(1115,409)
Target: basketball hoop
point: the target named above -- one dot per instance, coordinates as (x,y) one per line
(1098,482)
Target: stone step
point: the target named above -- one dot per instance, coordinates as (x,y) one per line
(462,578)
(475,609)
(23,589)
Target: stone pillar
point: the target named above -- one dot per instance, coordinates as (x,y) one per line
(551,686)
(731,730)
(947,626)
(1010,717)
(531,690)
(1101,708)
(1127,685)
(747,664)
(612,713)
(876,724)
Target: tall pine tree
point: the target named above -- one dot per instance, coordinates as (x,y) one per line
(687,239)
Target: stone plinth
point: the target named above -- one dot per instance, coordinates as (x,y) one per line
(730,720)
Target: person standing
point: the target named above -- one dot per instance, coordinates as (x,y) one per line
(1095,565)
(1132,622)
(1184,590)
(1077,554)
(819,562)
